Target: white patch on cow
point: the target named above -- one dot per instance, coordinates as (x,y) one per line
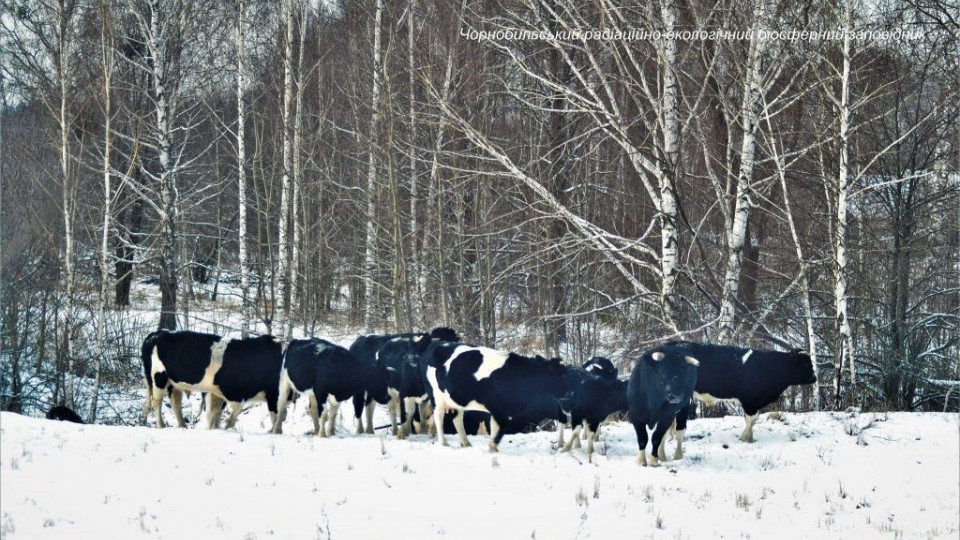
(692,361)
(319,348)
(156,366)
(658,356)
(492,360)
(218,349)
(746,356)
(475,405)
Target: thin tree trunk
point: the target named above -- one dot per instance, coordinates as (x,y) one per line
(63,76)
(106,50)
(282,311)
(737,233)
(370,254)
(669,209)
(295,217)
(844,343)
(415,254)
(242,175)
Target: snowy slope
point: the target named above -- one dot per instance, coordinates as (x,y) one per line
(816,475)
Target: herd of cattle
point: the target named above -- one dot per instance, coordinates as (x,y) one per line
(422,377)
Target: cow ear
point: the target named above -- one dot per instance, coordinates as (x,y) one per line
(692,361)
(658,356)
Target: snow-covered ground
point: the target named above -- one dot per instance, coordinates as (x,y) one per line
(815,475)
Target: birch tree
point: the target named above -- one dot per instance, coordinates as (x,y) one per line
(370,249)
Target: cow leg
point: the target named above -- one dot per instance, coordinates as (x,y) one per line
(461,431)
(314,414)
(176,403)
(496,434)
(591,436)
(438,422)
(321,401)
(393,409)
(662,447)
(369,414)
(157,401)
(214,407)
(574,434)
(332,410)
(282,396)
(680,425)
(409,405)
(235,408)
(640,428)
(663,424)
(560,444)
(426,417)
(358,401)
(750,419)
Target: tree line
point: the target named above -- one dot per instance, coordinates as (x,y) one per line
(401,164)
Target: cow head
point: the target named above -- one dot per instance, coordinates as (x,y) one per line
(443,333)
(674,374)
(800,367)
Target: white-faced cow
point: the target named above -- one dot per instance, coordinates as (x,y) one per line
(329,375)
(231,370)
(366,349)
(658,392)
(752,377)
(515,390)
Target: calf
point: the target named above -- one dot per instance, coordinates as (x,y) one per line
(328,374)
(231,370)
(64,414)
(601,367)
(514,389)
(659,390)
(596,367)
(754,378)
(592,400)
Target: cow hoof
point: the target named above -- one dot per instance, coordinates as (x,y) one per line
(642,459)
(677,455)
(654,462)
(465,444)
(493,448)
(747,438)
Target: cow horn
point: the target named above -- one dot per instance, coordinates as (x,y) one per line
(692,361)
(658,356)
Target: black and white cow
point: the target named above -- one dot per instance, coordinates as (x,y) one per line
(754,378)
(231,370)
(514,389)
(64,414)
(601,367)
(591,401)
(367,349)
(658,392)
(329,375)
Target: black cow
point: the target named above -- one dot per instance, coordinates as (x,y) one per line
(231,370)
(514,389)
(752,377)
(367,349)
(64,414)
(596,367)
(328,374)
(658,392)
(592,400)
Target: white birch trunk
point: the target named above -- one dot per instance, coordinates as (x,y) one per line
(106,50)
(437,192)
(844,347)
(737,232)
(242,175)
(415,255)
(297,182)
(369,260)
(168,191)
(63,72)
(669,235)
(282,309)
